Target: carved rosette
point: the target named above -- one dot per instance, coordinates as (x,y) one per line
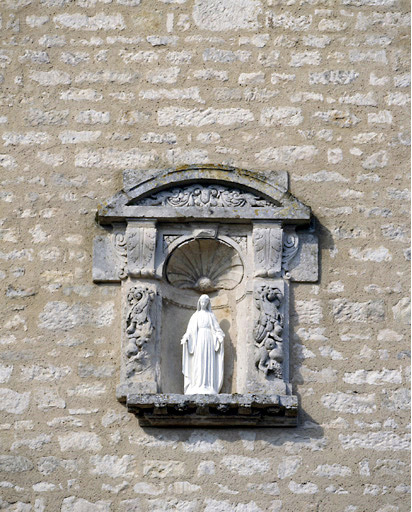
(141,245)
(268,331)
(139,328)
(267,242)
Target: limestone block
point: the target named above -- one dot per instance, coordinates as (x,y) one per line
(305,266)
(109,257)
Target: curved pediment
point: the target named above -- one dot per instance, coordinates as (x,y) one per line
(204,192)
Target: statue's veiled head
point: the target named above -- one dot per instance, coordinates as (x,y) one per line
(204,303)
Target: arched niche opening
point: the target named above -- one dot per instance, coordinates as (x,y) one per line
(197,266)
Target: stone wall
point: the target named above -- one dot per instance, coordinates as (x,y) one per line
(90,87)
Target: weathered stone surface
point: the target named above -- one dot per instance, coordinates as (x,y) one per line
(62,316)
(346,311)
(399,399)
(332,470)
(213,410)
(13,402)
(88,441)
(163,469)
(304,267)
(402,311)
(112,465)
(15,464)
(194,117)
(203,442)
(350,402)
(308,312)
(379,441)
(288,467)
(227,14)
(109,257)
(245,466)
(73,504)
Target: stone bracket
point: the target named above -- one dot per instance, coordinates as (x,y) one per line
(174,410)
(141,245)
(303,267)
(110,255)
(267,242)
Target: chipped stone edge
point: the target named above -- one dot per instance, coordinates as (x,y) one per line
(175,410)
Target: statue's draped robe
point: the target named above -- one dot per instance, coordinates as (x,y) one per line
(202,359)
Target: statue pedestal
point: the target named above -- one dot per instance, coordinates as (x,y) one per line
(223,410)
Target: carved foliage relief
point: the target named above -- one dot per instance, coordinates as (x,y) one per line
(267,242)
(139,328)
(141,244)
(268,330)
(206,196)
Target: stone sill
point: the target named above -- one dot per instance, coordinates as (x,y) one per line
(174,410)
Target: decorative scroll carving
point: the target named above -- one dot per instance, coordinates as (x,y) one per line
(268,250)
(241,240)
(119,244)
(206,196)
(139,328)
(290,248)
(141,244)
(168,240)
(204,265)
(268,331)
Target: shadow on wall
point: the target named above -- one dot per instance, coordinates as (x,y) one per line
(308,434)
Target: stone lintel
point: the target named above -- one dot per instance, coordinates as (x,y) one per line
(175,410)
(289,215)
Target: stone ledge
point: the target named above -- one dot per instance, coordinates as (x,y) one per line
(174,410)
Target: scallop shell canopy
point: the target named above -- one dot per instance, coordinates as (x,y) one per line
(204,265)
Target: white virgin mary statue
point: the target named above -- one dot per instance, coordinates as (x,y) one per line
(202,361)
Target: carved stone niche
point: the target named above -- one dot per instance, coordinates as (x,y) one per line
(239,236)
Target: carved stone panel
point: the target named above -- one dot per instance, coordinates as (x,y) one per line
(139,328)
(205,265)
(110,255)
(140,340)
(267,242)
(206,196)
(141,245)
(268,349)
(268,330)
